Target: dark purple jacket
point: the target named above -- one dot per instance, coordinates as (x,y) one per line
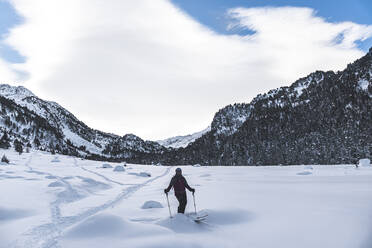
(179,183)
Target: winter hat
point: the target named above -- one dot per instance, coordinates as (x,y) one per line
(178,170)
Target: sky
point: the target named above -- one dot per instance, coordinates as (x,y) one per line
(161,68)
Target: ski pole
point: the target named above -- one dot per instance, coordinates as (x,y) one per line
(168,205)
(193,196)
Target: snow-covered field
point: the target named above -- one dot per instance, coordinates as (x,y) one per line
(60,201)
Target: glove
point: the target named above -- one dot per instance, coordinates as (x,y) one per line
(165,191)
(193,191)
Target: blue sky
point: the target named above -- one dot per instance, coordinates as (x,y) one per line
(212,12)
(8,19)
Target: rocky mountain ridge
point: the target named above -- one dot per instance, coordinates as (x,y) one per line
(324,117)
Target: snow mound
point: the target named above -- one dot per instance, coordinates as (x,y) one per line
(144,174)
(7,214)
(304,173)
(308,167)
(108,225)
(152,204)
(197,165)
(55,160)
(106,166)
(55,184)
(119,168)
(181,223)
(365,162)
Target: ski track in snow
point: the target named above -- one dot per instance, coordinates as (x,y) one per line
(47,235)
(98,174)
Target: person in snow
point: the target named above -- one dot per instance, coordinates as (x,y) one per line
(179,184)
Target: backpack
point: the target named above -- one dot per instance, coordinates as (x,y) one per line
(179,185)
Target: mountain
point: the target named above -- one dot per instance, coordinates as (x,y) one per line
(47,126)
(182,141)
(323,118)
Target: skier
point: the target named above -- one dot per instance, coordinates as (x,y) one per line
(179,183)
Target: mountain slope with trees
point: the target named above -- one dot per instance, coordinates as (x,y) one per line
(324,118)
(28,121)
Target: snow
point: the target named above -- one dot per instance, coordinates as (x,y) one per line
(205,175)
(151,204)
(363,84)
(105,165)
(57,117)
(15,93)
(299,89)
(182,141)
(55,184)
(77,203)
(8,214)
(364,162)
(180,223)
(55,160)
(144,174)
(119,168)
(140,174)
(79,141)
(304,173)
(95,231)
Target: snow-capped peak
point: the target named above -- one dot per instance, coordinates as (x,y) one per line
(14,92)
(182,141)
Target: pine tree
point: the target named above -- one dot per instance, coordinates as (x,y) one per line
(4,159)
(18,146)
(5,141)
(37,142)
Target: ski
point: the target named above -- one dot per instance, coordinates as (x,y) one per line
(201,218)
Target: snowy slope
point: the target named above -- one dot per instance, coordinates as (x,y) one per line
(67,202)
(230,118)
(182,141)
(70,135)
(323,118)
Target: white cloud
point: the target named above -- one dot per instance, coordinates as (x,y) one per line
(147,68)
(7,75)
